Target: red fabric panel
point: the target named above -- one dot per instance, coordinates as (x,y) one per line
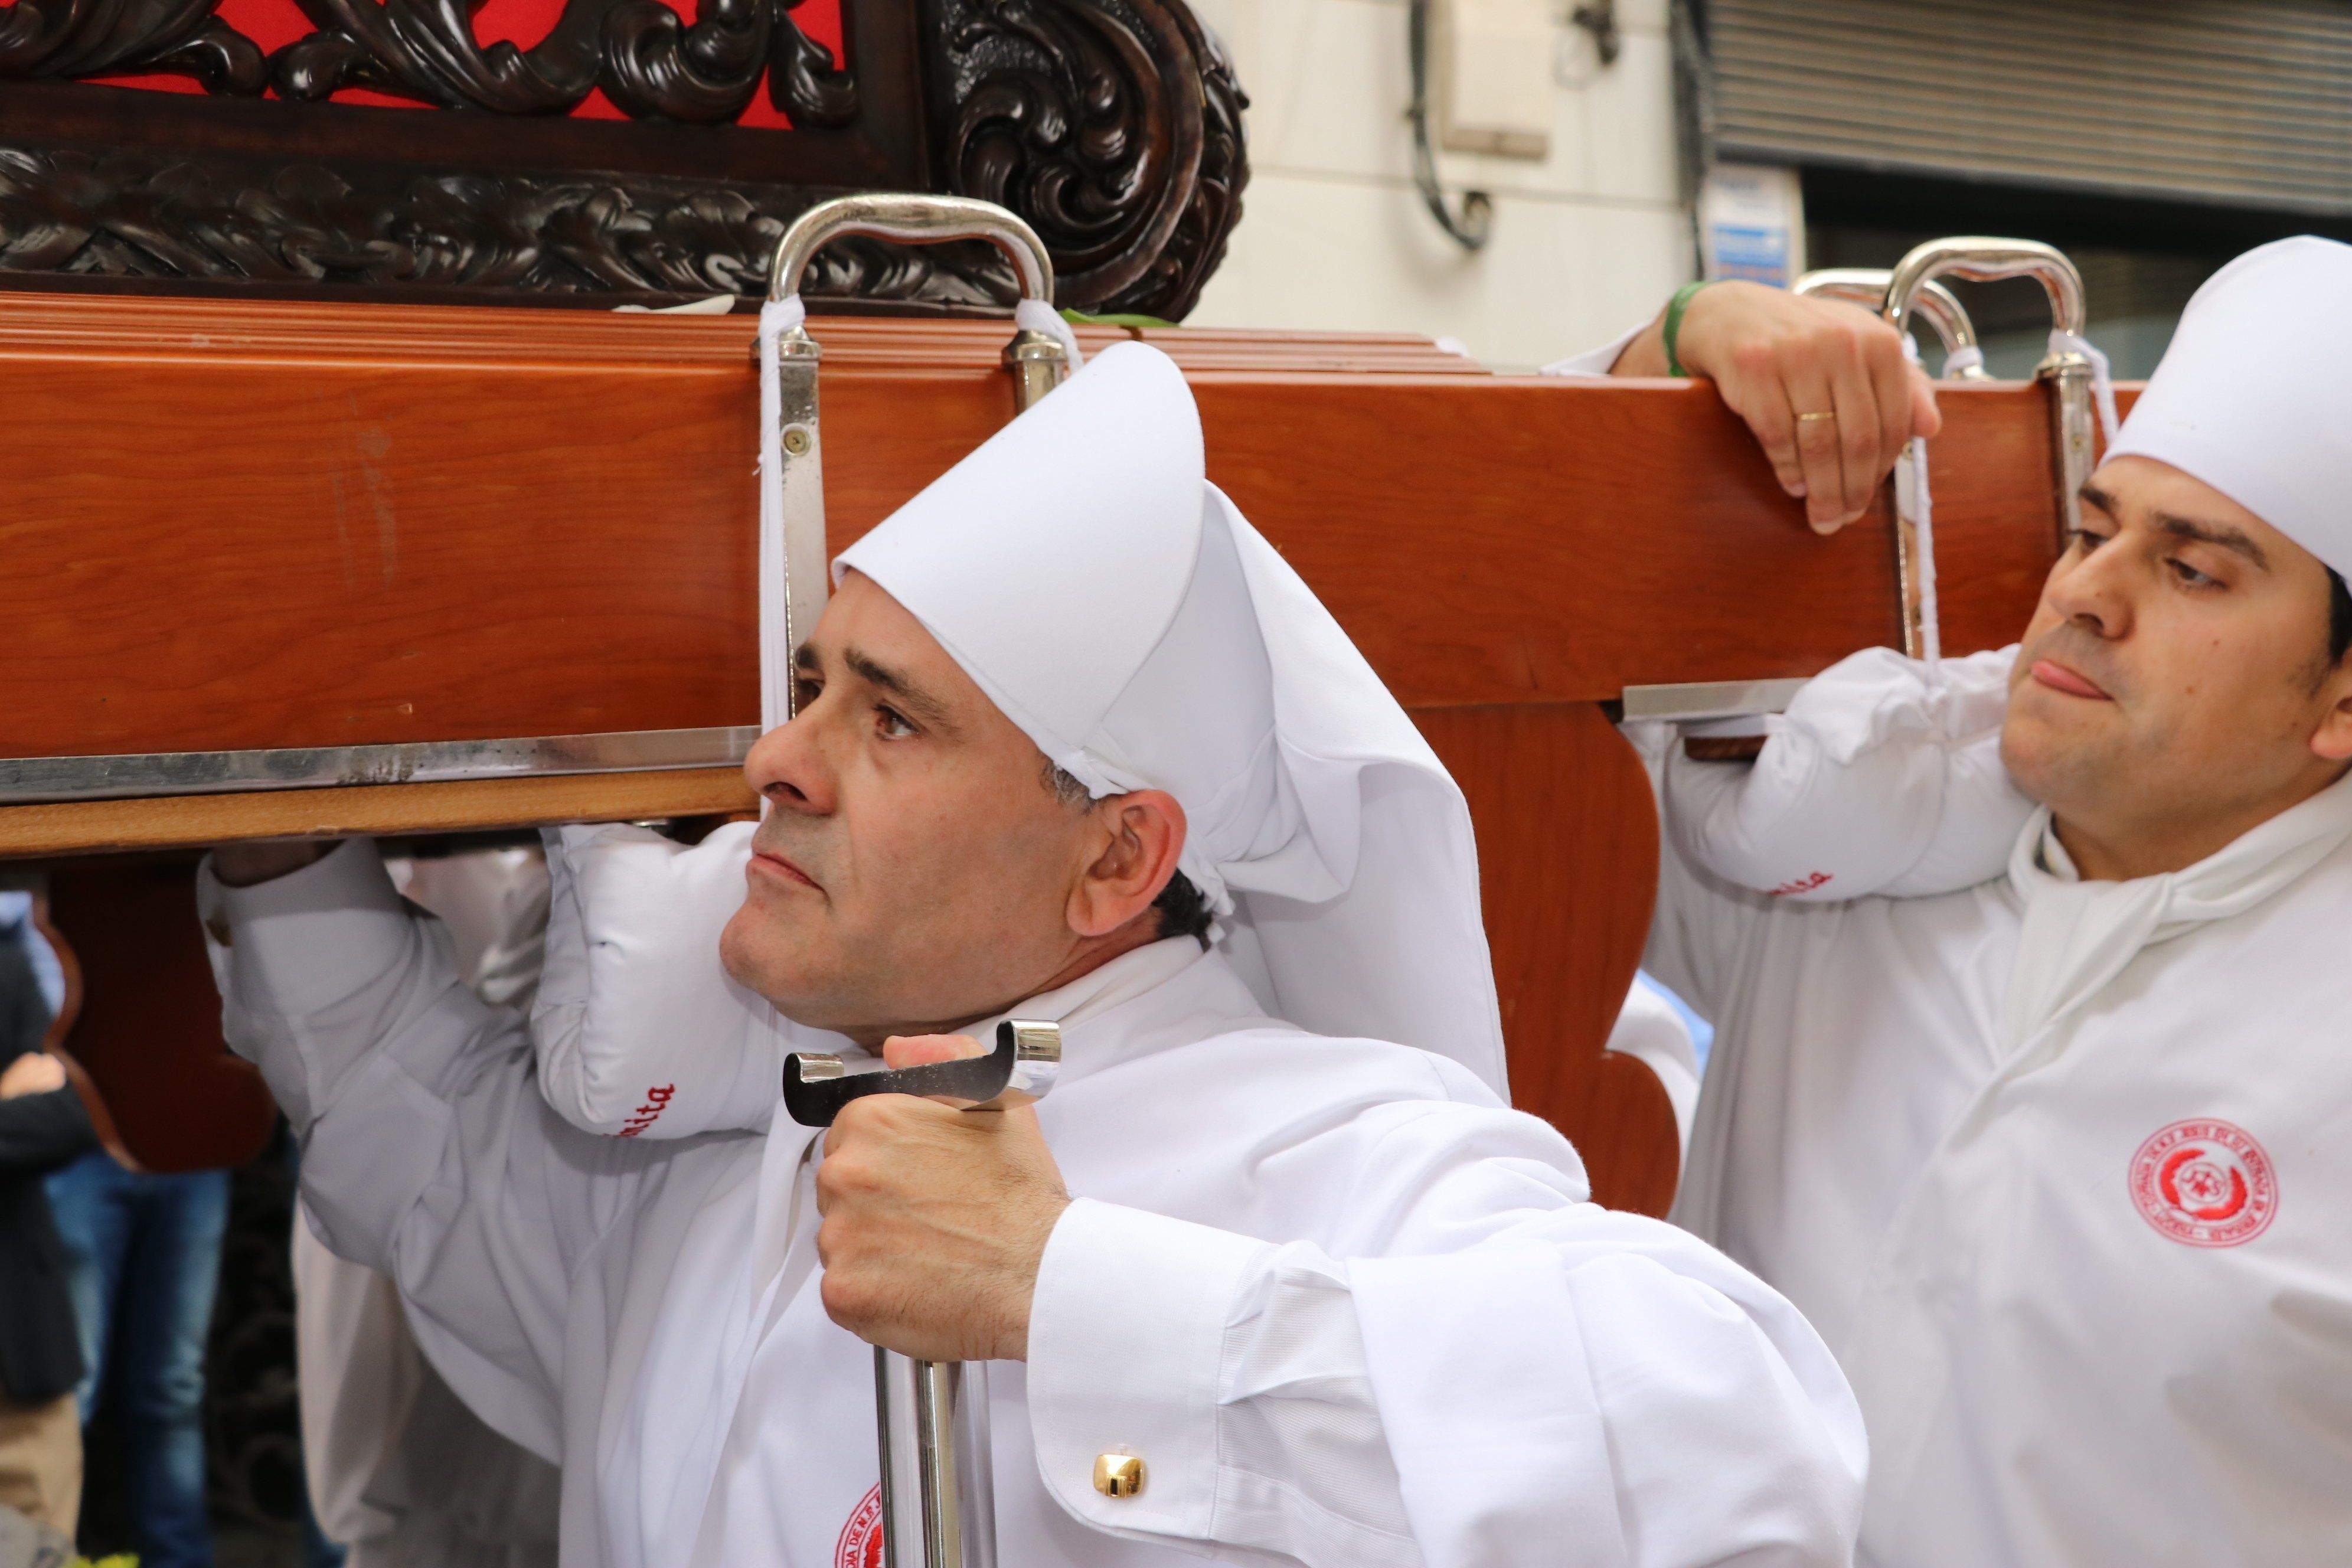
(273,23)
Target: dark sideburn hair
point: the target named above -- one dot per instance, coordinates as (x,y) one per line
(2339,617)
(1182,908)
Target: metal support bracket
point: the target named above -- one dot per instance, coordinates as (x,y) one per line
(1694,701)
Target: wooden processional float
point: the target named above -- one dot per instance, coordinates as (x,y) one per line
(301,568)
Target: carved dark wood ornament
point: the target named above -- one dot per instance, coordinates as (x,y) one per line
(1114,126)
(646,58)
(120,215)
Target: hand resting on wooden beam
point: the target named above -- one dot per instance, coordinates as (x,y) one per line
(1825,386)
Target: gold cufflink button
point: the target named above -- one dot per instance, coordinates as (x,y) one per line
(1118,1475)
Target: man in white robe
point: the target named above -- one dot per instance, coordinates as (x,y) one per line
(2056,1161)
(1275,1234)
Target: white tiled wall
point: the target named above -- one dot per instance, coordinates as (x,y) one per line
(1587,241)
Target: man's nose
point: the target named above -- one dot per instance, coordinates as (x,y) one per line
(787,768)
(2095,593)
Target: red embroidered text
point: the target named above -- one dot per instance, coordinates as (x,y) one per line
(657,1100)
(861,1538)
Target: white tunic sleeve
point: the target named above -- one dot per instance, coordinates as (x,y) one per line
(427,1153)
(1493,1367)
(1595,361)
(1700,921)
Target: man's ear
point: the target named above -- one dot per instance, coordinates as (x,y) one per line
(1138,837)
(2332,742)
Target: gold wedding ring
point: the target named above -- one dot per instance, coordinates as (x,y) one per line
(1824,414)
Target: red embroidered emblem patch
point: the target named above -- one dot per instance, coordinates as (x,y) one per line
(861,1538)
(2205,1183)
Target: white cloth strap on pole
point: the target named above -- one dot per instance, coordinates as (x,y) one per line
(2103,381)
(1961,360)
(1039,316)
(1913,505)
(777,317)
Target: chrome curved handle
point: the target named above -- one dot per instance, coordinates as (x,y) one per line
(1036,358)
(1982,259)
(1867,285)
(912,218)
(793,533)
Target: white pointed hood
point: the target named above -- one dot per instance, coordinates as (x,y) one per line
(2250,399)
(1120,611)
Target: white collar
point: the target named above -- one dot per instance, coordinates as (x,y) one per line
(2243,873)
(1095,1012)
(1105,986)
(2078,935)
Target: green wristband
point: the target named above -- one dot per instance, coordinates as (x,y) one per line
(1675,308)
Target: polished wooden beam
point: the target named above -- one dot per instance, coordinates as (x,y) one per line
(296,525)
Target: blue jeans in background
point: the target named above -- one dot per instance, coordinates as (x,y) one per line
(145,1252)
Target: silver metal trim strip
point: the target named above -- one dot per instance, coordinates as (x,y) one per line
(1710,699)
(27,780)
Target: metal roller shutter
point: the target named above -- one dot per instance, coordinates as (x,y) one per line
(2243,102)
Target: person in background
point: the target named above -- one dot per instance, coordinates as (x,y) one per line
(43,1125)
(145,1251)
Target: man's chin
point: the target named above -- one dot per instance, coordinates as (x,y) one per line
(772,958)
(761,954)
(2050,752)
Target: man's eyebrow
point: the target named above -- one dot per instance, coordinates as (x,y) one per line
(2225,536)
(2220,534)
(922,704)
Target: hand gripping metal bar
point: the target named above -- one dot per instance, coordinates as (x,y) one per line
(1913,549)
(938,1497)
(1702,702)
